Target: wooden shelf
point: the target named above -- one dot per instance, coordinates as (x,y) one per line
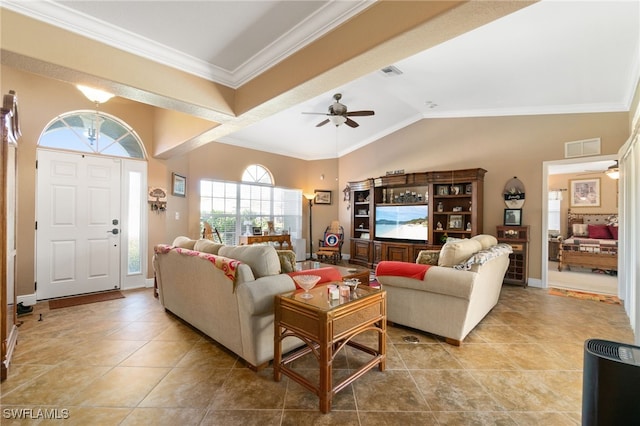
(464,191)
(518,238)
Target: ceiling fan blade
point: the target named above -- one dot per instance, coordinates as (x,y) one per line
(351,123)
(360,113)
(322,123)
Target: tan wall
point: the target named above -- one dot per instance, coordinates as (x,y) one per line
(504,146)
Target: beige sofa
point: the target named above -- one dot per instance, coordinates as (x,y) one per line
(454,294)
(227,292)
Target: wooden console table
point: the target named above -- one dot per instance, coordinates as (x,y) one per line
(327,326)
(256,239)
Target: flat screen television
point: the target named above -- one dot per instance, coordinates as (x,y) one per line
(408,222)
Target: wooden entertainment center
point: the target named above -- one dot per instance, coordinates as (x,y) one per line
(453,199)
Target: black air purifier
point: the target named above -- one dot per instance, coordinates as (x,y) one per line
(610,384)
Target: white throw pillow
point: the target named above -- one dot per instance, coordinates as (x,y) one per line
(455,252)
(263,260)
(486,240)
(207,246)
(184,242)
(580,230)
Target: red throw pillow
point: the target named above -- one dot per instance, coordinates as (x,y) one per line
(613,230)
(326,274)
(599,232)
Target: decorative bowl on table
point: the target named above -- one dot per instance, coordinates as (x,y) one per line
(307,282)
(352,283)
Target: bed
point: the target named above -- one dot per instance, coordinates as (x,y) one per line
(592,242)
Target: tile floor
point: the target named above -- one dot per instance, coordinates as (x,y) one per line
(128,362)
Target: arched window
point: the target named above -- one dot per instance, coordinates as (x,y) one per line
(256,173)
(92,132)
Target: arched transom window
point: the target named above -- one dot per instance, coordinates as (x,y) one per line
(92,132)
(256,173)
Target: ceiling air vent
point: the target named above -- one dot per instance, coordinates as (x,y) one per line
(582,148)
(391,71)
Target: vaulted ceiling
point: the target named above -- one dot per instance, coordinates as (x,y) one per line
(252,68)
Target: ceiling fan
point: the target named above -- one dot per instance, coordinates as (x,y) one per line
(338,114)
(612,171)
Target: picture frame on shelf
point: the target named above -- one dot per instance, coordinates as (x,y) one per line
(457,189)
(257,230)
(455,222)
(512,217)
(585,192)
(443,190)
(322,196)
(468,189)
(178,185)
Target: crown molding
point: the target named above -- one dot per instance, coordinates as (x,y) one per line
(331,15)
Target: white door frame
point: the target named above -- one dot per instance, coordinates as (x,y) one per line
(129,166)
(546,165)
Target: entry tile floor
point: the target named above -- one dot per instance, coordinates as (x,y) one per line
(128,362)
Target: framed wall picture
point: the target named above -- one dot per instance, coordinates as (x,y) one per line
(322,197)
(585,192)
(178,185)
(512,217)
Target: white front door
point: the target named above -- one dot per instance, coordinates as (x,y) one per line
(78,224)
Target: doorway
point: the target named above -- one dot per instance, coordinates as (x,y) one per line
(581,279)
(91,224)
(78,224)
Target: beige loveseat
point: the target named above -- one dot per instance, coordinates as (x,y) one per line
(227,292)
(454,294)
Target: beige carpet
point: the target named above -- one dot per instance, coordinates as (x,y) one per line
(84,299)
(582,280)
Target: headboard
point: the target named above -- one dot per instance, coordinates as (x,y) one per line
(589,219)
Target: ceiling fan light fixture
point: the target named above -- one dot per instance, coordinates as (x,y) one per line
(337,120)
(613,171)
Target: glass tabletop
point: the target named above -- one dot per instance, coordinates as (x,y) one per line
(321,299)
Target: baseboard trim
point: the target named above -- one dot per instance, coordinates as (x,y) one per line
(535,282)
(27,299)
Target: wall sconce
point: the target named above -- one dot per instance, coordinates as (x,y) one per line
(157,199)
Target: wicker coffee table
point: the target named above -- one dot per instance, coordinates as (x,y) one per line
(327,326)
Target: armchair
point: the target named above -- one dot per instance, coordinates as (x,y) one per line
(330,247)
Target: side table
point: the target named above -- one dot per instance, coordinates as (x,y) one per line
(327,326)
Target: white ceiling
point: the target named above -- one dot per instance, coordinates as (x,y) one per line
(549,58)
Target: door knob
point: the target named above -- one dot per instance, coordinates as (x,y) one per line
(114,231)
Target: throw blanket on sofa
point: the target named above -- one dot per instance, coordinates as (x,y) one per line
(226,265)
(402,269)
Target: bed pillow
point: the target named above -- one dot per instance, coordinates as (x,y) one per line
(613,230)
(599,232)
(579,230)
